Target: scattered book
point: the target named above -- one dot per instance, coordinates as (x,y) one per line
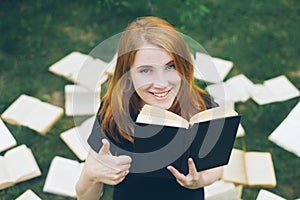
(62,177)
(237,89)
(287,134)
(76,138)
(164,138)
(81,68)
(7,140)
(221,190)
(31,112)
(211,69)
(274,90)
(267,195)
(250,168)
(10,171)
(28,195)
(81,101)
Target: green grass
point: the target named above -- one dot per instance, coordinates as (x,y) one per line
(262,38)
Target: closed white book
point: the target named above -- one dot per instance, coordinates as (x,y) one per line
(33,113)
(81,101)
(287,134)
(7,140)
(62,177)
(28,195)
(211,69)
(17,165)
(76,138)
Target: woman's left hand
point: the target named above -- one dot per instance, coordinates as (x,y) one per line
(193,180)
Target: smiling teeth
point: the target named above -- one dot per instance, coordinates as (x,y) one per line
(160,94)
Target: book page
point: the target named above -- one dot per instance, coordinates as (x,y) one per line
(21,156)
(235,170)
(287,134)
(260,169)
(159,116)
(28,195)
(7,140)
(5,179)
(266,195)
(213,113)
(62,176)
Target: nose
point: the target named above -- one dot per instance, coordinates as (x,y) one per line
(160,80)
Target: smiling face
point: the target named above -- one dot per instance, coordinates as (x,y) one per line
(154,76)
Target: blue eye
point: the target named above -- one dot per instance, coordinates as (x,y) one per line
(171,66)
(145,70)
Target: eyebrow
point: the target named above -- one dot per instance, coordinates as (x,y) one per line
(167,64)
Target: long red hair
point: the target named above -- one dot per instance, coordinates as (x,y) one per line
(121,101)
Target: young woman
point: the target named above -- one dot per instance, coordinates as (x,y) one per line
(153,67)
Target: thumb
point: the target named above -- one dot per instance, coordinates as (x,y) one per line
(105,147)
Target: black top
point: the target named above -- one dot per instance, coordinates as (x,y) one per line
(139,187)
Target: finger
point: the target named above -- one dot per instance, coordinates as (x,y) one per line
(192,168)
(179,176)
(105,148)
(124,160)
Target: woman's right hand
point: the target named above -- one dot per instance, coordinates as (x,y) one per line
(105,168)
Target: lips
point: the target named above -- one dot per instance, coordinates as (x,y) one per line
(160,95)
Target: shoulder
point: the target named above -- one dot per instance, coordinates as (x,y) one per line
(209,101)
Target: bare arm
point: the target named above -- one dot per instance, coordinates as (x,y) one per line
(87,187)
(99,169)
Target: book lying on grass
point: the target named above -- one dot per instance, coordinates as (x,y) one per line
(211,69)
(81,101)
(267,195)
(7,140)
(223,190)
(62,176)
(250,168)
(287,134)
(33,113)
(82,69)
(17,165)
(274,90)
(164,138)
(28,195)
(76,138)
(237,89)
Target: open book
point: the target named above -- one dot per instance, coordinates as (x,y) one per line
(7,140)
(156,115)
(33,113)
(82,69)
(163,138)
(17,165)
(62,176)
(287,134)
(76,138)
(28,195)
(223,190)
(267,195)
(81,101)
(250,168)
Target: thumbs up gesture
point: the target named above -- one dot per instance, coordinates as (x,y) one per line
(106,168)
